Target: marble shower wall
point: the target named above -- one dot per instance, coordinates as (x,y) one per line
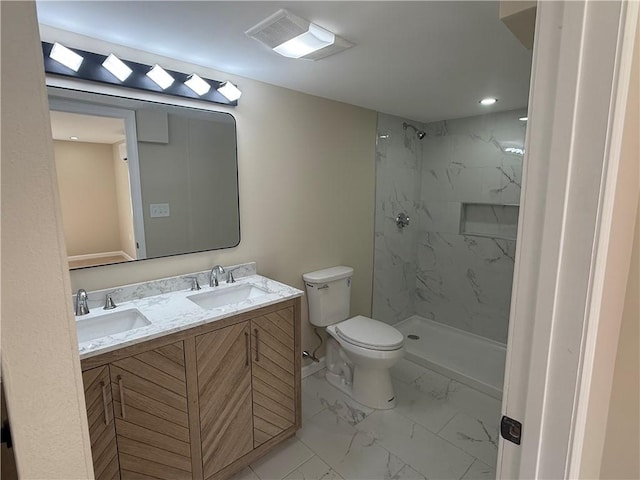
(430,268)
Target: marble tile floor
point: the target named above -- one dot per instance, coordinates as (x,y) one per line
(440,429)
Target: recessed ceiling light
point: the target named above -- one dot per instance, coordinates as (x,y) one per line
(66,57)
(523,119)
(160,76)
(488,101)
(117,67)
(229,91)
(197,84)
(73,137)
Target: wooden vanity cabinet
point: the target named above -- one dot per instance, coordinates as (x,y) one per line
(273,374)
(201,403)
(151,412)
(102,430)
(224,396)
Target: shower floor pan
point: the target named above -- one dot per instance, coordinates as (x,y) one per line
(470,359)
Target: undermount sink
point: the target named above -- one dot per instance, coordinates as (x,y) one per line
(226,296)
(109,324)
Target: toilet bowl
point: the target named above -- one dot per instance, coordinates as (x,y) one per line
(360,350)
(373,348)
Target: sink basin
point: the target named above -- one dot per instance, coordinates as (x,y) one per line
(226,296)
(110,323)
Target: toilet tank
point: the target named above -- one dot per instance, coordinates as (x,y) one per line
(328,295)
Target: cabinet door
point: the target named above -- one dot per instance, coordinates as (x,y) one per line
(224,395)
(97,394)
(273,371)
(152,421)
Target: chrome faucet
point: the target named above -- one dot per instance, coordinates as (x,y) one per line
(82,306)
(213,278)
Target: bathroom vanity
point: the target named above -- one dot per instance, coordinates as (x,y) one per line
(201,390)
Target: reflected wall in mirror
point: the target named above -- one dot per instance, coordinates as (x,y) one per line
(142,180)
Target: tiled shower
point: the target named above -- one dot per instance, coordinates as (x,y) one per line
(453,264)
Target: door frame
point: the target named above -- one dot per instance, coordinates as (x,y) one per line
(572,170)
(129,117)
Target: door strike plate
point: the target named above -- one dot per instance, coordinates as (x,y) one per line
(511,430)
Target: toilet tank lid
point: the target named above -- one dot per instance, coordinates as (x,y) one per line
(328,274)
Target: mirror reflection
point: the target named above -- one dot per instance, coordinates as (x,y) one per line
(142,180)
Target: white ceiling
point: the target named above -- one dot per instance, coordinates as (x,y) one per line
(87,128)
(421,60)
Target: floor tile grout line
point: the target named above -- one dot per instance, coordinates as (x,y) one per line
(465,452)
(421,424)
(473,457)
(294,468)
(316,453)
(437,435)
(467,470)
(448,422)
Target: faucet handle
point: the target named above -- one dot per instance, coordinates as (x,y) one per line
(109,304)
(81,306)
(230,278)
(194,283)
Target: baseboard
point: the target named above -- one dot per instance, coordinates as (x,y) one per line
(313,367)
(91,256)
(125,255)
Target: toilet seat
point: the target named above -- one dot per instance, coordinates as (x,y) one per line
(368,333)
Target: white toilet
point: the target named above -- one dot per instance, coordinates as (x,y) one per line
(360,350)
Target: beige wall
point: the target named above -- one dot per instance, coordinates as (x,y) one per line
(620,455)
(125,211)
(87,186)
(622,441)
(40,365)
(307,177)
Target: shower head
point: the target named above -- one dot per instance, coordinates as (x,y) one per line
(421,134)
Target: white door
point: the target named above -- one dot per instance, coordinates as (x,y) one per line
(571,171)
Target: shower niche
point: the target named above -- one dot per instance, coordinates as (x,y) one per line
(489,220)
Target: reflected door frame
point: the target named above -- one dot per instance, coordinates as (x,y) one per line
(129,117)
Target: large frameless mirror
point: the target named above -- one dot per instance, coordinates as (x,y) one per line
(141,180)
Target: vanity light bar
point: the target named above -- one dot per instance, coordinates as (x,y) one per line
(230,91)
(197,84)
(65,56)
(111,70)
(117,67)
(160,76)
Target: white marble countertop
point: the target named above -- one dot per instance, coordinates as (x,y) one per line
(172,311)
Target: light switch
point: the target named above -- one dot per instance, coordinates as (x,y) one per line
(159,210)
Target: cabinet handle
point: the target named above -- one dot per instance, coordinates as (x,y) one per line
(121,385)
(105,403)
(247,346)
(256,332)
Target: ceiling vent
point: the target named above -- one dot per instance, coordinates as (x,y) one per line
(295,37)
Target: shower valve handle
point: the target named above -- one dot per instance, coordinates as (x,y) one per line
(402,220)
